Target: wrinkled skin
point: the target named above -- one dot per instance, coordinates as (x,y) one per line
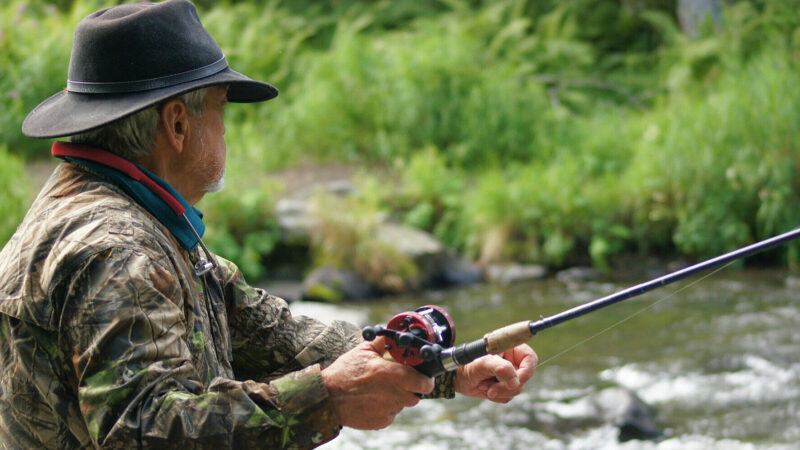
(368,390)
(498,378)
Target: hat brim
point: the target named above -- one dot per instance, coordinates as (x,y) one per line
(68,113)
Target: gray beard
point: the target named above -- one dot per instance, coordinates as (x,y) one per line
(216,186)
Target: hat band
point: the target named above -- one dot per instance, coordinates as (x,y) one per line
(122,87)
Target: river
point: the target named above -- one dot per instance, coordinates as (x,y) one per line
(717,358)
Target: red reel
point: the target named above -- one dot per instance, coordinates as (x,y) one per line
(430,323)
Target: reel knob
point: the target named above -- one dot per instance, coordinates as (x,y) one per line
(430,352)
(370,333)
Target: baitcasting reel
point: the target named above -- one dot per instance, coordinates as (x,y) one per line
(417,338)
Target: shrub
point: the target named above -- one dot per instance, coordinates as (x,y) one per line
(240,220)
(35,44)
(716,165)
(346,237)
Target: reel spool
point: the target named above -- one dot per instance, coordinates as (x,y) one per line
(417,338)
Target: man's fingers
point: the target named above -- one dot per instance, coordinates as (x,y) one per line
(498,378)
(412,381)
(511,374)
(527,359)
(504,371)
(407,378)
(378,344)
(484,385)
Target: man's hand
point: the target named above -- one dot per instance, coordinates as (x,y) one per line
(497,378)
(367,390)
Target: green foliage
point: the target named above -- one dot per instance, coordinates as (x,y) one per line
(321,292)
(241,223)
(430,195)
(13,194)
(720,162)
(463,83)
(542,131)
(35,42)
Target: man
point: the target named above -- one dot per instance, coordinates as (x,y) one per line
(118,328)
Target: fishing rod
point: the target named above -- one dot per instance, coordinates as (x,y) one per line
(424,338)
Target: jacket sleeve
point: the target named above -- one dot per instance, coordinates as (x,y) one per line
(267,340)
(135,380)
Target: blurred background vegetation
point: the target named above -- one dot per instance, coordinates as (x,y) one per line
(541,131)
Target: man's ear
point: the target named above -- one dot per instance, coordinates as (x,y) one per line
(175,124)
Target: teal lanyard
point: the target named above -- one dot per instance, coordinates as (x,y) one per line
(184,221)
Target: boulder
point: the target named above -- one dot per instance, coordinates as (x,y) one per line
(288,290)
(293,213)
(623,408)
(577,275)
(436,265)
(294,221)
(461,272)
(428,254)
(616,406)
(329,284)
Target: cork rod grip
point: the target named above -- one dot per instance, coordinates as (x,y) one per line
(508,337)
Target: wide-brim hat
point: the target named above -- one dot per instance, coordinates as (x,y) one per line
(129,57)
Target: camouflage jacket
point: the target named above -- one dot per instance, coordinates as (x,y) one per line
(109,339)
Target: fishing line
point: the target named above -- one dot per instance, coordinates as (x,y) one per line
(646,308)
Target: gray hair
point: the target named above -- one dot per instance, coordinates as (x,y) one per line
(134,137)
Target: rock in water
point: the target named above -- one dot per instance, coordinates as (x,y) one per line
(514,273)
(623,408)
(616,406)
(461,272)
(577,274)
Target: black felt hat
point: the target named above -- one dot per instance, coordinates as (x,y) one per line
(129,57)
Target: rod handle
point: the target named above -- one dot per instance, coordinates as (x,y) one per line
(508,337)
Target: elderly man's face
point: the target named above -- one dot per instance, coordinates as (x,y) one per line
(209,142)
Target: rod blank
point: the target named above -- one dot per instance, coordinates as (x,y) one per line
(640,289)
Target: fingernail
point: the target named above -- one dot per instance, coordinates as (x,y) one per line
(514,383)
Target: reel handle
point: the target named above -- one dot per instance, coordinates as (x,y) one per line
(431,352)
(370,333)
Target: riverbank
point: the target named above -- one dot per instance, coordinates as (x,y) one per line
(287,275)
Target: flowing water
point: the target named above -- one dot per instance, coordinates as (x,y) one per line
(718,359)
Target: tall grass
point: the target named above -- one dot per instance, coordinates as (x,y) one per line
(719,164)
